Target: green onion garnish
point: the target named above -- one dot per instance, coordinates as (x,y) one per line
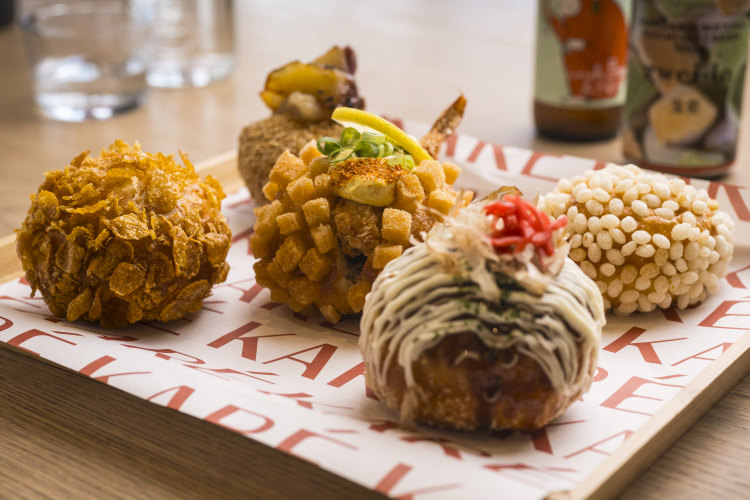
(353,144)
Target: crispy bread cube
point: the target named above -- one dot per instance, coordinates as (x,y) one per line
(451,171)
(384,253)
(286,202)
(294,305)
(319,165)
(260,211)
(315,265)
(323,238)
(421,221)
(330,313)
(356,295)
(279,276)
(322,185)
(396,226)
(301,190)
(290,253)
(265,223)
(261,247)
(317,211)
(279,295)
(409,192)
(304,291)
(431,175)
(262,276)
(270,190)
(289,222)
(286,169)
(442,201)
(309,152)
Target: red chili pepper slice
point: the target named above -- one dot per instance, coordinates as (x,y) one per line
(523,225)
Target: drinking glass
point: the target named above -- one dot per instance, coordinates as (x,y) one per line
(88,58)
(193,43)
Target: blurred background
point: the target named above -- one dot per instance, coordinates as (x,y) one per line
(413,59)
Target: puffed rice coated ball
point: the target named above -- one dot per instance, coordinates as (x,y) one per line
(647,241)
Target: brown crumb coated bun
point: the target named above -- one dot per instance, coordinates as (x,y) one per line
(263,141)
(316,246)
(455,335)
(125,237)
(647,241)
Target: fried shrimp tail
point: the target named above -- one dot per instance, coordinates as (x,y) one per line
(444,126)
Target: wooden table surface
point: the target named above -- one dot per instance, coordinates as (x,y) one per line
(414,58)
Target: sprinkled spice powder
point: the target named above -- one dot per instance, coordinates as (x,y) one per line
(365,168)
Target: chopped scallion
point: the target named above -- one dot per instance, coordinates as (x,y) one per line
(364,145)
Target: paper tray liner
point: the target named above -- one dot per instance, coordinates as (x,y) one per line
(295,382)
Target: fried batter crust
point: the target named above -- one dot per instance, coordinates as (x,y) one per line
(461,383)
(357,227)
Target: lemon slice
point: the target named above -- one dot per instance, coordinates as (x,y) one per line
(367,122)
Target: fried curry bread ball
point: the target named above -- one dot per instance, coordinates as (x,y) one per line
(647,241)
(126,237)
(486,323)
(331,228)
(301,97)
(262,142)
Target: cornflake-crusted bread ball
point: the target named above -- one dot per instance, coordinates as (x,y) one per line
(126,237)
(646,240)
(330,229)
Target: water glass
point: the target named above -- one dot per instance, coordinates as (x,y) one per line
(193,43)
(88,57)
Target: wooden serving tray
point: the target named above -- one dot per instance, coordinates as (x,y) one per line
(622,466)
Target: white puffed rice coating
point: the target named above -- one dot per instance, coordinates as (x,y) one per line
(647,240)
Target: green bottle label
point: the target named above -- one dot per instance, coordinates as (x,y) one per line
(581,53)
(686,79)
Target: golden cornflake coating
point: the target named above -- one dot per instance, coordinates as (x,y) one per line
(328,230)
(648,241)
(126,237)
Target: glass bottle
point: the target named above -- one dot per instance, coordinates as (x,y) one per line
(686,80)
(581,54)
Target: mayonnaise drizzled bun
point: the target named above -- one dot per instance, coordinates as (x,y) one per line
(487,323)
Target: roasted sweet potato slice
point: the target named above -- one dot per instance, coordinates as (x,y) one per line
(329,86)
(338,58)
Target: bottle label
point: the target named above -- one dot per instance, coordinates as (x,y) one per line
(686,79)
(581,53)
